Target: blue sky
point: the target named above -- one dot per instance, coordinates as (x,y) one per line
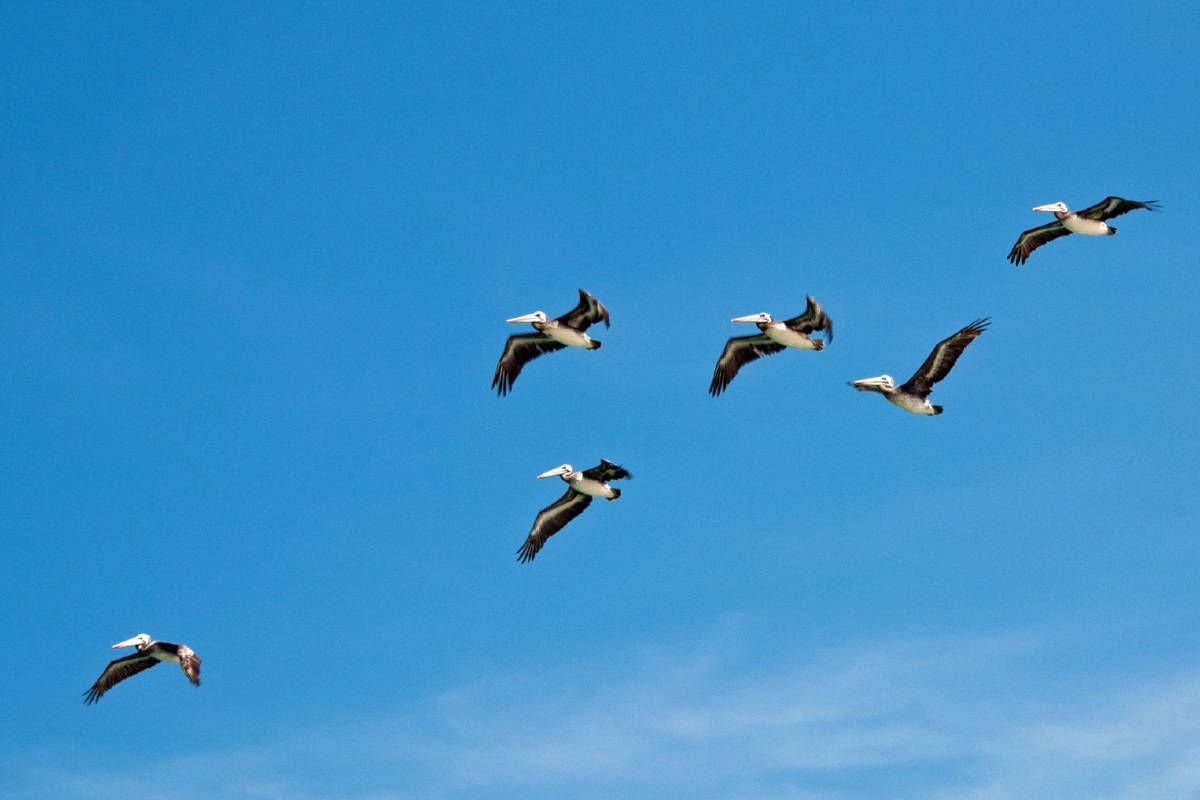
(254,271)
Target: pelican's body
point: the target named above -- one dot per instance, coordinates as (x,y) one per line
(567,336)
(582,486)
(569,330)
(1090,221)
(913,395)
(774,336)
(149,653)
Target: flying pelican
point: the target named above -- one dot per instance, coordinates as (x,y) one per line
(775,336)
(582,486)
(149,653)
(1090,222)
(552,334)
(914,395)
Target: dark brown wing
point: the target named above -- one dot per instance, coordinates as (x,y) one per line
(189,662)
(1034,238)
(941,360)
(117,671)
(813,319)
(1111,207)
(587,313)
(519,350)
(739,351)
(550,520)
(607,471)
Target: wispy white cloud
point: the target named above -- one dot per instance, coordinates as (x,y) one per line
(933,718)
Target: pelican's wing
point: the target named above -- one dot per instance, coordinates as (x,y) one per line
(550,520)
(814,318)
(587,313)
(942,359)
(1034,238)
(607,471)
(189,662)
(117,671)
(739,351)
(520,349)
(1111,207)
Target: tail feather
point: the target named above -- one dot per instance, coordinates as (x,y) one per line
(595,344)
(616,494)
(818,344)
(1111,231)
(937,410)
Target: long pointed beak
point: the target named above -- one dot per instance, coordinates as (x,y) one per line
(1047,207)
(550,473)
(867,384)
(747,318)
(127,643)
(524,318)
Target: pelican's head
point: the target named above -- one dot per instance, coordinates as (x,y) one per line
(1059,207)
(883,383)
(565,469)
(139,641)
(761,316)
(536,316)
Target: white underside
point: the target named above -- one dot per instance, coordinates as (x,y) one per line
(569,336)
(789,338)
(592,487)
(910,403)
(1088,227)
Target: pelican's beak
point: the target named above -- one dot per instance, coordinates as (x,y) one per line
(868,384)
(747,318)
(550,473)
(1047,207)
(524,318)
(127,643)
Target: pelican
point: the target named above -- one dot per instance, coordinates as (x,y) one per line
(773,337)
(914,395)
(582,486)
(552,334)
(1089,222)
(149,653)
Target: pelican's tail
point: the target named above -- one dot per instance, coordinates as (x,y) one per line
(937,410)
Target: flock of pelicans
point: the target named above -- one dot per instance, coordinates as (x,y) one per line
(570,330)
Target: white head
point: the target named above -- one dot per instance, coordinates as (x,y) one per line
(565,469)
(536,316)
(139,641)
(882,383)
(761,316)
(1059,207)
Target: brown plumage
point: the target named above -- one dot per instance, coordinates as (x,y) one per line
(149,654)
(1106,209)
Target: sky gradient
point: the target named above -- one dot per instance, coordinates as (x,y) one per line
(254,271)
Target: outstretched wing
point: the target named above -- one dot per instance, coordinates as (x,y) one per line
(739,351)
(813,319)
(941,360)
(1034,238)
(117,671)
(1111,207)
(189,662)
(550,520)
(607,471)
(587,313)
(519,350)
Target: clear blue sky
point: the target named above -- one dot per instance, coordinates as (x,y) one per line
(254,271)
